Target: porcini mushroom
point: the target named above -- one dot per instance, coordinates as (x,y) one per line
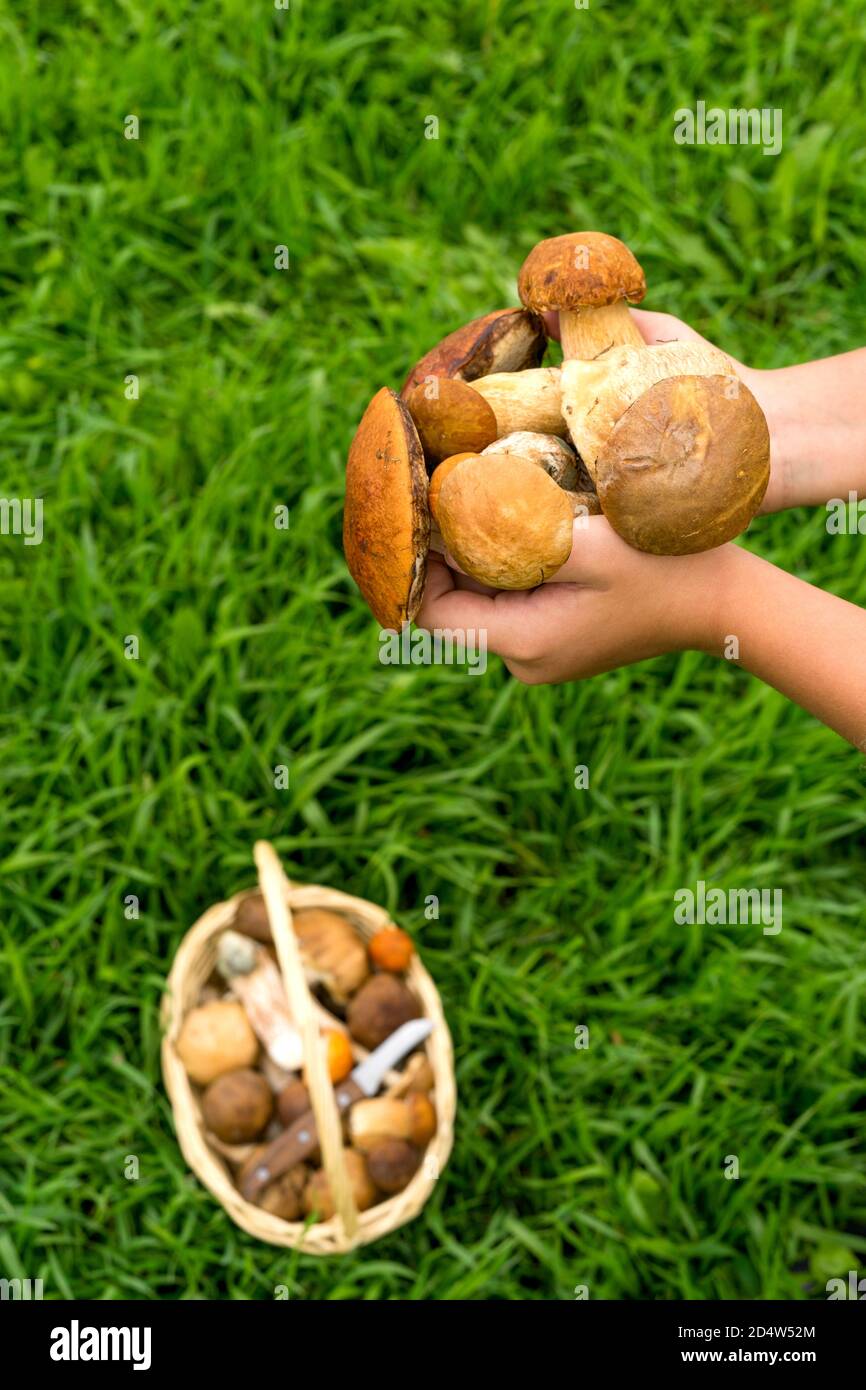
(505,521)
(318,1198)
(584,503)
(293,1102)
(216,1038)
(686,465)
(331,950)
(284,1196)
(505,341)
(411,1117)
(439,476)
(386,521)
(595,394)
(238,1105)
(392,1164)
(589,277)
(529,400)
(451,418)
(379,1008)
(251,918)
(551,453)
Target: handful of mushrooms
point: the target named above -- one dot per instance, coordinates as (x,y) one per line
(489,455)
(240,1045)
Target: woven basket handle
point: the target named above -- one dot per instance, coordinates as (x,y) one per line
(275,891)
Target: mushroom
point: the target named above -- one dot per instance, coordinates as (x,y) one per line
(588,277)
(318,1198)
(257,982)
(584,503)
(379,1008)
(331,950)
(383,1117)
(284,1196)
(238,1105)
(251,918)
(505,341)
(293,1102)
(686,466)
(392,1163)
(505,521)
(551,453)
(416,1076)
(439,476)
(529,400)
(450,417)
(420,1075)
(216,1038)
(595,394)
(391,949)
(386,522)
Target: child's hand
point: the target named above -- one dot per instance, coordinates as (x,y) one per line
(814,412)
(608,606)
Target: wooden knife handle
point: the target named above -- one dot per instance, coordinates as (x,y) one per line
(294,1144)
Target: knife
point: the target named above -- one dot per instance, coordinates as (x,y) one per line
(301,1138)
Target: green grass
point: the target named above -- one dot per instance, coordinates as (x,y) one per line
(601,1167)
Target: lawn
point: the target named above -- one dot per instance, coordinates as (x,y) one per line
(154,258)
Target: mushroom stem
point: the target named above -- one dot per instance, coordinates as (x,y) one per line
(587,332)
(528,400)
(595,394)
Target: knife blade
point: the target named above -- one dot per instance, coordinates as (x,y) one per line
(302,1138)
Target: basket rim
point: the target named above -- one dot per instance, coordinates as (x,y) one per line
(323,1237)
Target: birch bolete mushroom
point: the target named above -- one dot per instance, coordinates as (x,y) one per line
(505,521)
(507,340)
(686,466)
(257,982)
(451,418)
(589,277)
(386,521)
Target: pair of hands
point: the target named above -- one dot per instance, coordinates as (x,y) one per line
(611,605)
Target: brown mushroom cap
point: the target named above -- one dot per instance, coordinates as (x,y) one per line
(686,466)
(505,341)
(439,475)
(578,271)
(392,1163)
(386,522)
(451,418)
(505,521)
(318,1197)
(238,1105)
(379,1008)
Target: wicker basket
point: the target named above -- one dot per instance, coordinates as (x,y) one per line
(194,964)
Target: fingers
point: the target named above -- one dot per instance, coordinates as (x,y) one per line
(663,328)
(594,554)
